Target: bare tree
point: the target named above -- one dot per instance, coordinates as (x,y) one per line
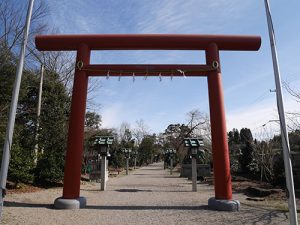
(293,117)
(124,130)
(199,125)
(292,91)
(140,130)
(12,22)
(60,63)
(12,26)
(12,19)
(265,152)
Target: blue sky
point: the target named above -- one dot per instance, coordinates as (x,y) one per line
(247,76)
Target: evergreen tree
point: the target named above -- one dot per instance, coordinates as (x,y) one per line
(246,135)
(92,120)
(146,149)
(21,160)
(236,136)
(246,158)
(7,74)
(55,106)
(53,132)
(234,149)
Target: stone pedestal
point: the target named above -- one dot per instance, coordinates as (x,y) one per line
(62,203)
(224,205)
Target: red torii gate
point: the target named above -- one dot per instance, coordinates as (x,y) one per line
(83,44)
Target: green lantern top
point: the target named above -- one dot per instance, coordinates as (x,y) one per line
(100,140)
(193,142)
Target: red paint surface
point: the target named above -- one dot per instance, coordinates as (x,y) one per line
(146,42)
(221,164)
(73,163)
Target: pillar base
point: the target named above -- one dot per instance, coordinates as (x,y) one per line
(63,203)
(224,205)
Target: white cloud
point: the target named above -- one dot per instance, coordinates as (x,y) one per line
(189,16)
(252,116)
(255,116)
(111,115)
(115,113)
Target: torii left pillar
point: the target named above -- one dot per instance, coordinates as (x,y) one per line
(71,191)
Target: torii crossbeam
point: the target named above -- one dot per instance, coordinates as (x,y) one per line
(211,44)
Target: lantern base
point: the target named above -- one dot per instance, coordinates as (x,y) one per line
(63,203)
(224,205)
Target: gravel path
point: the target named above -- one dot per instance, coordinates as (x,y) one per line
(147,196)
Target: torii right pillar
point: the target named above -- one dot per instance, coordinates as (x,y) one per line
(221,163)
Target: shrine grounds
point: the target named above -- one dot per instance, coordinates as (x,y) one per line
(149,195)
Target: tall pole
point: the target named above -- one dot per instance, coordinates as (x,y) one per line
(36,147)
(284,133)
(13,108)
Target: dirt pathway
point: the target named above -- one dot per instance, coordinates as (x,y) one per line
(147,196)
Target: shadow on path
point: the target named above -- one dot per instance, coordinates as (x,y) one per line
(144,207)
(152,168)
(108,207)
(27,205)
(136,190)
(132,190)
(264,216)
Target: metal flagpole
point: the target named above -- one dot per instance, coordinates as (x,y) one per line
(284,133)
(13,108)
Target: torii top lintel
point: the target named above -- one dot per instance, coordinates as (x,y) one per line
(147,42)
